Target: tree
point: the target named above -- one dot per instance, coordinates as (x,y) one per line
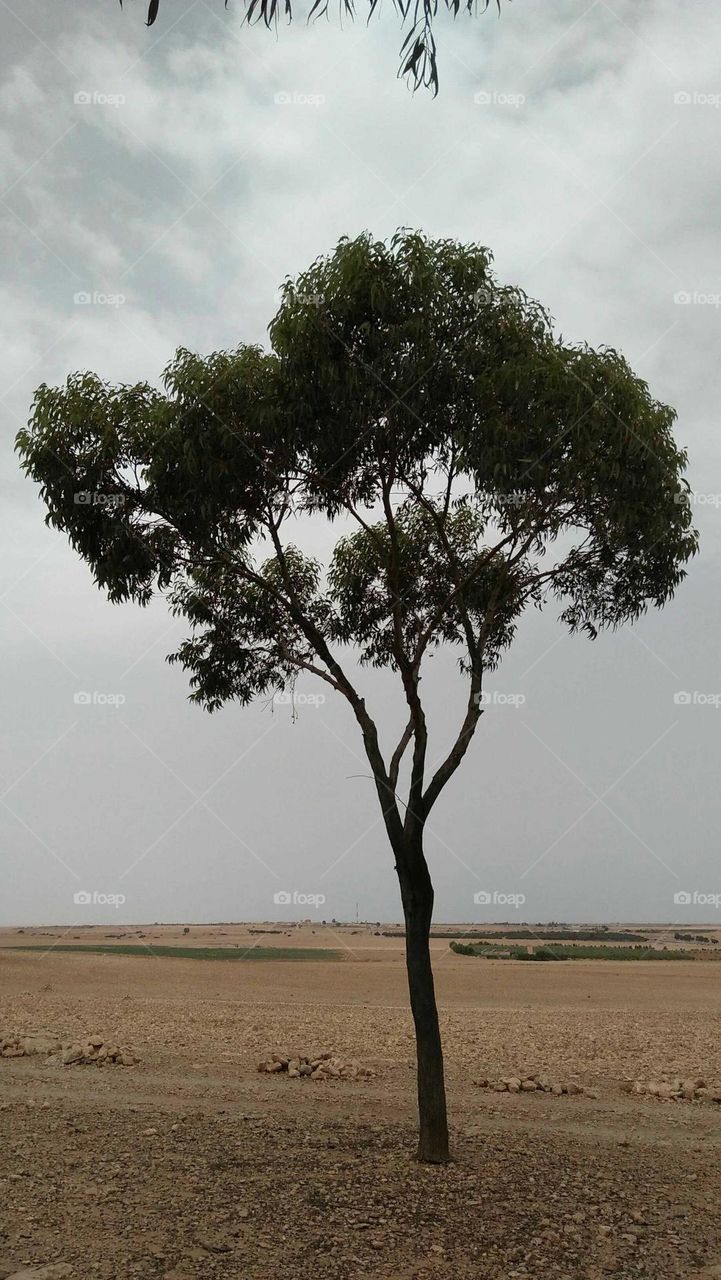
(418,51)
(474,463)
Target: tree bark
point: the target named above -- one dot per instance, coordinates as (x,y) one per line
(417,897)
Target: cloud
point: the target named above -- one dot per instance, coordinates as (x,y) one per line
(208,162)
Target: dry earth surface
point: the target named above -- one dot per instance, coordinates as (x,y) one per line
(192,1163)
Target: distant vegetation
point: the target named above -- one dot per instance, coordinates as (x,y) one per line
(196,953)
(553,952)
(541,932)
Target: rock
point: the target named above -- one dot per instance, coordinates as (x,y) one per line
(39,1044)
(528,1086)
(592,1093)
(73,1053)
(214,1243)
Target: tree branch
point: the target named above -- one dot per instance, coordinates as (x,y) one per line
(398,754)
(369,731)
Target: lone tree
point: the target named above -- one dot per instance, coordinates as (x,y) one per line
(419,62)
(474,462)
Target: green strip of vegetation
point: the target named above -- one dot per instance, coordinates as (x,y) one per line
(192,953)
(567,953)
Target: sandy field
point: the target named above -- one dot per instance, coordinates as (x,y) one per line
(192,1164)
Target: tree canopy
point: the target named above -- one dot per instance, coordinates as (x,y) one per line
(479,463)
(419,62)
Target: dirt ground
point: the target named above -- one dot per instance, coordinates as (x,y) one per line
(194,1164)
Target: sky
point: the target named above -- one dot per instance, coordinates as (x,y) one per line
(157,188)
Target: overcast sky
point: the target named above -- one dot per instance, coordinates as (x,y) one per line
(175,177)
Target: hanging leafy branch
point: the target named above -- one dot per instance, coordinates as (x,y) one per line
(419,62)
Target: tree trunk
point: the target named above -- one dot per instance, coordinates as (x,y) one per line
(417,896)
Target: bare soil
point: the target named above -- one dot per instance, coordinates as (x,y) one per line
(193,1164)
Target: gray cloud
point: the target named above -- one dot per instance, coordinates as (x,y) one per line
(581,145)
